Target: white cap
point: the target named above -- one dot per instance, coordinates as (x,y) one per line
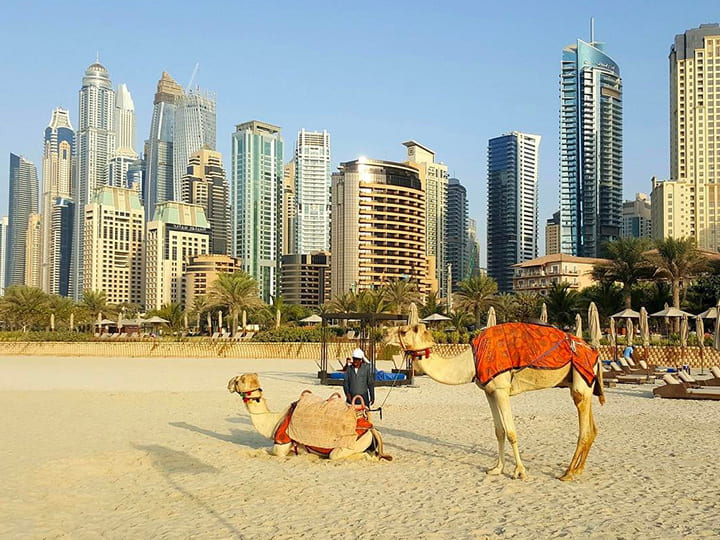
(358,353)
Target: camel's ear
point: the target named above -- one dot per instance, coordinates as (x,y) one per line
(232,385)
(247,382)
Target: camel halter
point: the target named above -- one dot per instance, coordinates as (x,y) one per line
(415,353)
(246,395)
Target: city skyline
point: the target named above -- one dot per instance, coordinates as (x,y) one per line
(371,119)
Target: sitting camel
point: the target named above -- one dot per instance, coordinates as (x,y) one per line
(509,359)
(274,425)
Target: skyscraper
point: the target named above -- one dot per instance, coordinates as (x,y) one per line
(63,222)
(95,146)
(194,129)
(590,149)
(33,251)
(124,154)
(58,167)
(205,184)
(3,251)
(114,236)
(552,234)
(158,186)
(288,244)
(23,199)
(434,177)
(456,231)
(512,231)
(312,191)
(694,147)
(637,217)
(378,231)
(257,172)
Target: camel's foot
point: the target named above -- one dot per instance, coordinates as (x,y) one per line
(569,475)
(496,470)
(280,450)
(520,473)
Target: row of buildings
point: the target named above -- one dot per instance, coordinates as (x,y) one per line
(139,225)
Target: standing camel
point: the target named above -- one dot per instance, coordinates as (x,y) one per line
(512,358)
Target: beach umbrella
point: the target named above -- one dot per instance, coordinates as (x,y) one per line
(578,326)
(613,338)
(683,335)
(209,323)
(626,314)
(52,322)
(630,329)
(72,321)
(99,318)
(700,331)
(594,325)
(491,317)
(644,327)
(220,327)
(543,313)
(710,313)
(278,316)
(716,337)
(185,320)
(312,319)
(413,317)
(244,319)
(435,317)
(198,322)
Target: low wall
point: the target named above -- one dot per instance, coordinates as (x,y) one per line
(305,351)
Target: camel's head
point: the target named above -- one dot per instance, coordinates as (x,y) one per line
(413,337)
(247,385)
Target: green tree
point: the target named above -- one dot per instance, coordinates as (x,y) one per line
(62,307)
(627,264)
(608,298)
(173,313)
(678,261)
(433,304)
(25,307)
(234,293)
(373,301)
(400,294)
(562,304)
(476,295)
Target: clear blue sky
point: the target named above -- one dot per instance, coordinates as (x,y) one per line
(448,74)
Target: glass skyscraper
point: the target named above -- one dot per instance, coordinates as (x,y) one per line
(194,129)
(23,202)
(312,191)
(590,149)
(456,232)
(256,190)
(513,161)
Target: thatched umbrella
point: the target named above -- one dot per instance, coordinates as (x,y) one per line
(613,338)
(543,313)
(629,330)
(700,331)
(594,325)
(578,326)
(491,318)
(52,322)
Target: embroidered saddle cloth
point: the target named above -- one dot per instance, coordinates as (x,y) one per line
(525,345)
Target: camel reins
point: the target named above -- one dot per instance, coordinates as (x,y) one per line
(246,395)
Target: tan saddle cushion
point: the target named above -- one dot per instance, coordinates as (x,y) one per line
(323,423)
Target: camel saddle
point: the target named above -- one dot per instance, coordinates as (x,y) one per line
(324,424)
(515,346)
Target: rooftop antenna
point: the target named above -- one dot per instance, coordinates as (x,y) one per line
(97,57)
(592,30)
(192,77)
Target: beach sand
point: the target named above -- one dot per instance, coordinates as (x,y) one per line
(157,448)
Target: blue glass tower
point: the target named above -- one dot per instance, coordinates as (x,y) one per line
(590,149)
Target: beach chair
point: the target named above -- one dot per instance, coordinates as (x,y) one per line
(714,380)
(617,374)
(678,389)
(215,335)
(248,336)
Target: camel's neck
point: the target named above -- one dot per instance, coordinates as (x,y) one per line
(264,420)
(457,370)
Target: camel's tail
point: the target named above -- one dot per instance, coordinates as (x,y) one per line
(599,387)
(378,444)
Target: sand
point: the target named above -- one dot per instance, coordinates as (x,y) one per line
(157,448)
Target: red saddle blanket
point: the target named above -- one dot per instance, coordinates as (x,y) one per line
(525,345)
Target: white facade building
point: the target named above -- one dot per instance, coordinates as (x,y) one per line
(3,251)
(312,191)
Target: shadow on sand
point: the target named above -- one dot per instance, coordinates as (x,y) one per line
(236,436)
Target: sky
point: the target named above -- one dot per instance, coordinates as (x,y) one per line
(450,75)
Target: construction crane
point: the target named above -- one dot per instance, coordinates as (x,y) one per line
(192,77)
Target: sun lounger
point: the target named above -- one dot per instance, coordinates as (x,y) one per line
(677,389)
(616,373)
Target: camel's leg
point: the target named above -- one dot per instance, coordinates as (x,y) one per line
(361,444)
(502,400)
(582,397)
(280,450)
(499,435)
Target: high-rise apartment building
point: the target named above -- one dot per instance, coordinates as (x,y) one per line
(552,234)
(305,279)
(58,167)
(434,177)
(312,191)
(33,252)
(473,268)
(688,205)
(205,184)
(456,231)
(195,128)
(177,232)
(95,140)
(637,217)
(159,176)
(590,149)
(288,243)
(114,235)
(201,272)
(62,220)
(257,173)
(3,251)
(512,231)
(23,197)
(378,226)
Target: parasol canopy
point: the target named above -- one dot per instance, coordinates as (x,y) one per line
(613,335)
(413,317)
(543,313)
(156,320)
(626,314)
(630,330)
(578,326)
(594,325)
(710,313)
(700,331)
(671,312)
(435,317)
(491,317)
(683,331)
(644,327)
(311,319)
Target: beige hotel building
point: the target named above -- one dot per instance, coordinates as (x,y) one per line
(378,231)
(178,232)
(688,203)
(113,244)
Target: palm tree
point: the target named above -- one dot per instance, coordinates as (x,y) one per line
(92,303)
(562,304)
(235,292)
(524,307)
(400,294)
(433,304)
(277,309)
(172,312)
(344,303)
(372,301)
(608,298)
(678,260)
(25,307)
(627,264)
(61,307)
(460,320)
(476,295)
